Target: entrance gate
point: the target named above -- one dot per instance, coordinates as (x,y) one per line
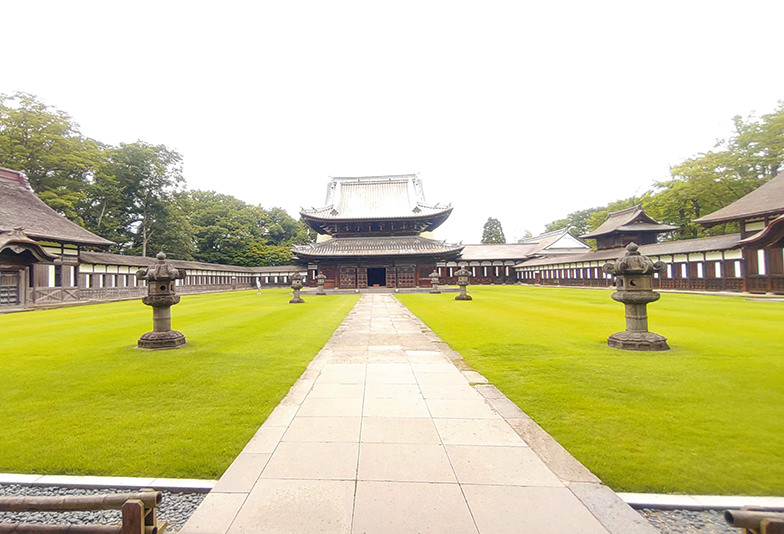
(376,276)
(9,288)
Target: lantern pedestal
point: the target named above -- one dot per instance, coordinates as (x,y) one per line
(296,286)
(462,280)
(161,297)
(634,278)
(161,340)
(434,280)
(463,295)
(627,340)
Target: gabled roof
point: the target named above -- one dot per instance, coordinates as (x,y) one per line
(632,219)
(375,197)
(375,246)
(17,242)
(767,199)
(21,208)
(558,241)
(685,246)
(770,236)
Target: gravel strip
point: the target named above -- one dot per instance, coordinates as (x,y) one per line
(688,521)
(175,508)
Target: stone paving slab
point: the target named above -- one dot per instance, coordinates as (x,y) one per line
(390,431)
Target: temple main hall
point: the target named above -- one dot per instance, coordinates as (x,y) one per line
(373,231)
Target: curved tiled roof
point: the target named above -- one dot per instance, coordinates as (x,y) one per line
(767,199)
(632,219)
(19,243)
(771,235)
(546,243)
(375,197)
(376,246)
(21,208)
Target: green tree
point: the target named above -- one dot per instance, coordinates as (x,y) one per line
(175,233)
(752,155)
(256,253)
(493,232)
(146,178)
(283,229)
(578,220)
(228,230)
(705,183)
(45,143)
(223,225)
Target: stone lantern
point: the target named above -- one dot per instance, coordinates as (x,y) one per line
(462,280)
(434,279)
(320,279)
(161,296)
(634,281)
(296,285)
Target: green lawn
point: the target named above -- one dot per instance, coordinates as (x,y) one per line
(705,417)
(77,397)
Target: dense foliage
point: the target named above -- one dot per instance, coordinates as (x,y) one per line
(135,195)
(493,232)
(705,183)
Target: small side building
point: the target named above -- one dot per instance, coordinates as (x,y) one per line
(630,225)
(712,263)
(495,263)
(751,260)
(43,261)
(49,274)
(758,215)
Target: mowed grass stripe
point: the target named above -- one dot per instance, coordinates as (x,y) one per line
(705,417)
(78,398)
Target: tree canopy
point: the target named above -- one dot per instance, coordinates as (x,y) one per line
(227,230)
(751,156)
(493,232)
(135,194)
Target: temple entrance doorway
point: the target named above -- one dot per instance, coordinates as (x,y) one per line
(377,276)
(9,288)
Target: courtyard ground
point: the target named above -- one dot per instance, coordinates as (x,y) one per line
(705,417)
(78,398)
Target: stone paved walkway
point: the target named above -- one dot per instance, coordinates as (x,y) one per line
(385,434)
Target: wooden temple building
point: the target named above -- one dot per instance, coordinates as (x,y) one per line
(759,215)
(630,225)
(43,261)
(750,260)
(373,232)
(38,247)
(495,263)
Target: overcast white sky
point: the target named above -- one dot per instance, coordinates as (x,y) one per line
(523,111)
